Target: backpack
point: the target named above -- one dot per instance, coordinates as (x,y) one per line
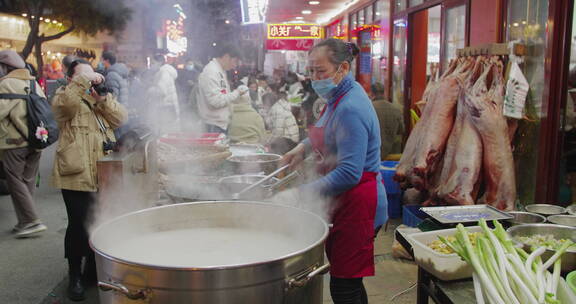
(42,127)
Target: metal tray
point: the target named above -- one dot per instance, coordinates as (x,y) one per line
(465,214)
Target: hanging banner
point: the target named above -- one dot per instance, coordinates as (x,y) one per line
(290,45)
(294,31)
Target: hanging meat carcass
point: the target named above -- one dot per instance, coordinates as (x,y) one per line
(463,157)
(486,112)
(427,141)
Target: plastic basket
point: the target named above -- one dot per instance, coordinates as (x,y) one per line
(394,205)
(412,216)
(388,169)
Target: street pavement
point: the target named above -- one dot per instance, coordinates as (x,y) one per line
(34,271)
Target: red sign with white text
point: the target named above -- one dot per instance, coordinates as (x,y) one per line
(290,45)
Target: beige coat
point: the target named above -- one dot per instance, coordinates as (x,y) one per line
(246,126)
(13,111)
(81,140)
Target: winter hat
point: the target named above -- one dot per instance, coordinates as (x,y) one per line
(11,58)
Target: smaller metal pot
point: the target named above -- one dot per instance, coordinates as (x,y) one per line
(521,218)
(245,149)
(566,220)
(558,231)
(255,163)
(248,179)
(545,209)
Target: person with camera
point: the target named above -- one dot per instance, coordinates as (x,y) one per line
(86,114)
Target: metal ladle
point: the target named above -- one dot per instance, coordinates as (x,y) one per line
(260,182)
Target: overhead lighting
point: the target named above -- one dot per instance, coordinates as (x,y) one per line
(306,12)
(227,21)
(313,2)
(515,24)
(297,21)
(24,15)
(47,20)
(377,13)
(214,44)
(337,12)
(299,18)
(54,21)
(41,18)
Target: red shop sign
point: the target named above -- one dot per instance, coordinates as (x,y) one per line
(290,45)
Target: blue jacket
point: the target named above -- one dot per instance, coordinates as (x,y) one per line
(352,135)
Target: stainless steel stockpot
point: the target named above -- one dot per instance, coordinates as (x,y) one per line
(290,279)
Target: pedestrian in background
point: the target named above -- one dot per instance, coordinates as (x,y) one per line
(279,118)
(391,122)
(19,161)
(163,97)
(86,121)
(214,94)
(116,77)
(246,125)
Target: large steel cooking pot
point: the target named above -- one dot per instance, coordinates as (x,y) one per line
(181,191)
(254,163)
(135,260)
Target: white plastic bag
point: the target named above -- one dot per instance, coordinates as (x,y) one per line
(516,92)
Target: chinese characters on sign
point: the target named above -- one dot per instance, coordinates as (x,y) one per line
(294,31)
(253,11)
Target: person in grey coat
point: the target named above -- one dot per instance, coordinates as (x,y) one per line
(116,77)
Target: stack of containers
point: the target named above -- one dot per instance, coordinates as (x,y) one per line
(393,191)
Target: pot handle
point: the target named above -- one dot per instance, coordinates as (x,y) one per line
(132,295)
(303,279)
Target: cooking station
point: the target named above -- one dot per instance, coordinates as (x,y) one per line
(213,211)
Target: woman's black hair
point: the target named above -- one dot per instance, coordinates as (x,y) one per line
(73,65)
(338,50)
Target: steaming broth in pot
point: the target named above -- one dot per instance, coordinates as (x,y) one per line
(205,247)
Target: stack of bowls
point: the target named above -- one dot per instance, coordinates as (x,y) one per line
(521,218)
(545,209)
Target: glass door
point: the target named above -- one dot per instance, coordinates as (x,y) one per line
(424,51)
(399,53)
(526,22)
(454,33)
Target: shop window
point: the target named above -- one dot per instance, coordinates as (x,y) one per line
(399,62)
(415,2)
(399,5)
(526,21)
(361,18)
(379,9)
(368,14)
(380,44)
(455,33)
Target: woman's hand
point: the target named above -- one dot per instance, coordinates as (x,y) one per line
(294,158)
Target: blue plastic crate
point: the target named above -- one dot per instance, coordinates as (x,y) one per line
(412,216)
(394,205)
(388,169)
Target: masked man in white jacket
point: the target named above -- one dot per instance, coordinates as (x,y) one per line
(214,94)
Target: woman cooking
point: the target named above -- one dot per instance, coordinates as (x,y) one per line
(346,142)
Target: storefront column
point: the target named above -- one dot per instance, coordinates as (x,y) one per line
(554,100)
